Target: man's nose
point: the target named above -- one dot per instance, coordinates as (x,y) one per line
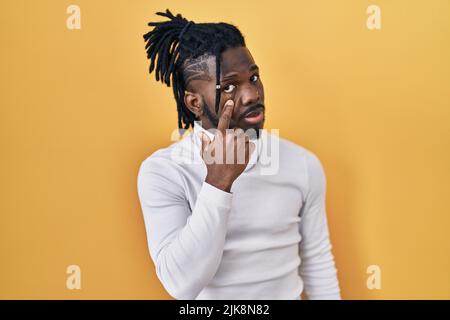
(250,95)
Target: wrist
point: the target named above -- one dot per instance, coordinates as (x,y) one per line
(221,184)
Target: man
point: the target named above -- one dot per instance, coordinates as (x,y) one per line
(220,229)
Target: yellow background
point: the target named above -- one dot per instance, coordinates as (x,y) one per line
(79,112)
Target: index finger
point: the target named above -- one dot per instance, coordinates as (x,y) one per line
(225,118)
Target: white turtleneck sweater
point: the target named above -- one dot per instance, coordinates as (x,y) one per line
(266,239)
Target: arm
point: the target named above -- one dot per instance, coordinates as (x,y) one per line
(317,268)
(185,246)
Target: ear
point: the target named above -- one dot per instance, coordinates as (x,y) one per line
(194,103)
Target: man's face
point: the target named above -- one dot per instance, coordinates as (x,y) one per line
(240,82)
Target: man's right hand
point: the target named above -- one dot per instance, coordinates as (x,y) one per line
(224,165)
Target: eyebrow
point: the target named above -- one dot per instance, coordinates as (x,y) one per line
(232,75)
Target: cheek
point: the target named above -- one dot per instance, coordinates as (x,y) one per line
(261,92)
(210,102)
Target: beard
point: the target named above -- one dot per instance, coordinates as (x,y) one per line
(214,120)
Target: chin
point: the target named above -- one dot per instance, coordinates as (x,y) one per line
(253,129)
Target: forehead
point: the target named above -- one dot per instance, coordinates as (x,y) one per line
(237,59)
(201,72)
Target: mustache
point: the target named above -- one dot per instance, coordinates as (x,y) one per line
(256,107)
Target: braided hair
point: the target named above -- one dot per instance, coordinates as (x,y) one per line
(175,43)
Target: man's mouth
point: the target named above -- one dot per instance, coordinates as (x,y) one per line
(254,117)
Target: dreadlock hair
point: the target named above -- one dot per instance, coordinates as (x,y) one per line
(171,43)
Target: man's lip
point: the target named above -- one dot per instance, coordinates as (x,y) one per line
(258,117)
(257,110)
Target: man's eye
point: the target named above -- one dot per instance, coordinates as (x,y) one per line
(256,76)
(227,88)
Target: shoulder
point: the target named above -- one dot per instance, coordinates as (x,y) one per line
(295,153)
(161,169)
(165,158)
(301,159)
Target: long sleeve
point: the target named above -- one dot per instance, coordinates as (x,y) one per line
(185,245)
(317,268)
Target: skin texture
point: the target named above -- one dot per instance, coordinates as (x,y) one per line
(241,91)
